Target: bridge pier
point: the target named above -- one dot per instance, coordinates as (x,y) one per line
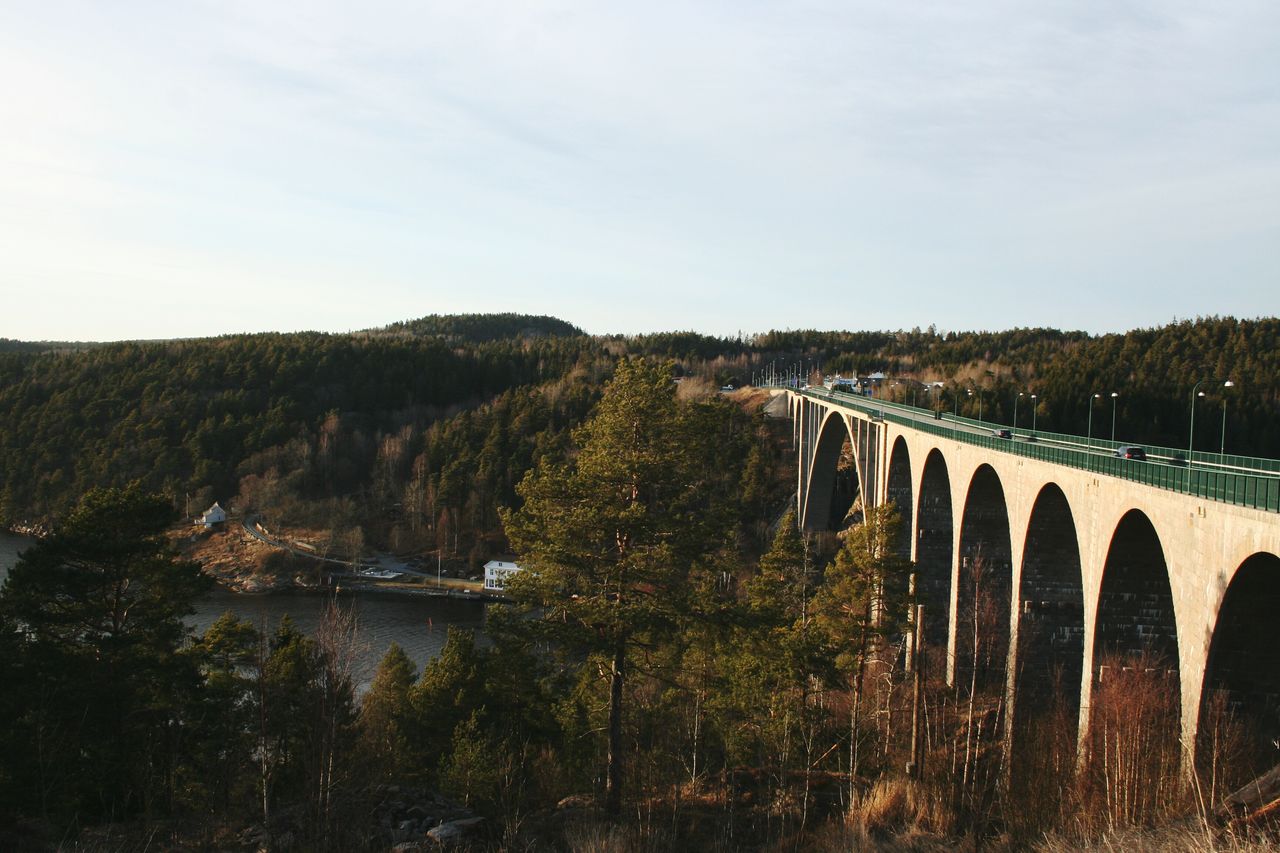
(1093,566)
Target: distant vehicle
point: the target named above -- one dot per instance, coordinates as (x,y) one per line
(1002,433)
(1131,452)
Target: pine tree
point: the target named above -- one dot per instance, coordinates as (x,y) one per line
(385,710)
(862,602)
(784,583)
(101,603)
(224,755)
(450,690)
(609,541)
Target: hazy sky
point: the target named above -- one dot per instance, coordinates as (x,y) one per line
(178,168)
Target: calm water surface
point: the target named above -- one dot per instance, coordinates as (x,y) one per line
(419,625)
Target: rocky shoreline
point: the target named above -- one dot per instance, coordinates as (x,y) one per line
(244,564)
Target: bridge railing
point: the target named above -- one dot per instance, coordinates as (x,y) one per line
(1240,480)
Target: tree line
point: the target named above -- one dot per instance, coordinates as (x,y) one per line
(389,431)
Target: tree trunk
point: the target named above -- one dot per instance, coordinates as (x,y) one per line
(613,783)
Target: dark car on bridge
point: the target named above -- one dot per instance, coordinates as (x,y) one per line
(1002,433)
(1131,452)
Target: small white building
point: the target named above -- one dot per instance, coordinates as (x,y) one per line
(841,383)
(213,515)
(496,573)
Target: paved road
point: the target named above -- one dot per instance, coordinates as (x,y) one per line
(948,420)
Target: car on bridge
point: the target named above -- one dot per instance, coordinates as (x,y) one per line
(1131,452)
(1002,433)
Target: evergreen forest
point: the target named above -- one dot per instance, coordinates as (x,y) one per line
(678,668)
(415,434)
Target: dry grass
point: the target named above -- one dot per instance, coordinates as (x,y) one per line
(901,805)
(603,837)
(696,388)
(1186,838)
(600,838)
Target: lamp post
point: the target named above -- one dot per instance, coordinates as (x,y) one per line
(1191,432)
(1034,407)
(1089,437)
(1222,446)
(1114,395)
(955,414)
(1015,411)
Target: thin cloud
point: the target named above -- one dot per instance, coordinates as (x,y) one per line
(624,166)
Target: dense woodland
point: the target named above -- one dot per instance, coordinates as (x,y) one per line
(655,684)
(416,433)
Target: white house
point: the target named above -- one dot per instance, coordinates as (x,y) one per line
(841,383)
(213,515)
(496,573)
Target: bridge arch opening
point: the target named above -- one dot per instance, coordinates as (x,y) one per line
(1135,703)
(833,477)
(1239,723)
(934,540)
(898,492)
(985,583)
(1050,653)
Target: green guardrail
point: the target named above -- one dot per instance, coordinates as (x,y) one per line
(1239,480)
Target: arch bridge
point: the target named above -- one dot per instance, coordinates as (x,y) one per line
(1087,560)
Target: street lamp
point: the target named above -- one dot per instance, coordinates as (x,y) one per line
(1191,433)
(1222,447)
(1089,437)
(1015,411)
(1034,407)
(955,414)
(1114,394)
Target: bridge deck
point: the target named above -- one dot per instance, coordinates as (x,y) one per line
(1243,481)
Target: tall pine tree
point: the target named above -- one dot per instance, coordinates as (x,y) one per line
(609,541)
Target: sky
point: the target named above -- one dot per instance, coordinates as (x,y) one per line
(183,169)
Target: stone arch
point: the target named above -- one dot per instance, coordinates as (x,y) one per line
(1135,603)
(934,541)
(898,491)
(834,481)
(985,583)
(1135,713)
(1240,696)
(1045,711)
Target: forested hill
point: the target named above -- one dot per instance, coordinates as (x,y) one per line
(1153,371)
(333,425)
(480,328)
(185,416)
(10,345)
